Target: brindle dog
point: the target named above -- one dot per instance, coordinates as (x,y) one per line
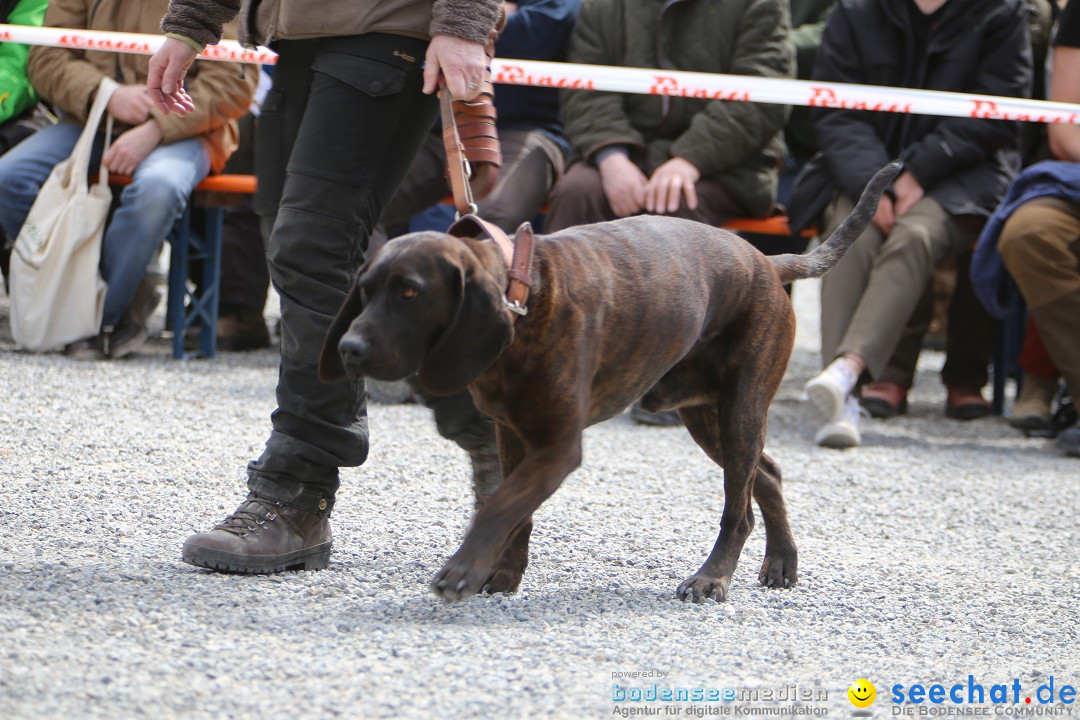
(676,313)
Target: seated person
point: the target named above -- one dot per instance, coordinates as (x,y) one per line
(698,158)
(956,170)
(949,316)
(704,159)
(1039,226)
(17,95)
(167,156)
(530,133)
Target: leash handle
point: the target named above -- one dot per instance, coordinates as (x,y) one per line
(457,165)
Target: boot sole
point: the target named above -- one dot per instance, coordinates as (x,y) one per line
(313,558)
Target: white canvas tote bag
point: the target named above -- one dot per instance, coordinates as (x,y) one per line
(57,293)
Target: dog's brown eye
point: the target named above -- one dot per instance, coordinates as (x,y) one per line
(408,293)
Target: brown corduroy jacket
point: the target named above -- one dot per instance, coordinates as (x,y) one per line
(68,78)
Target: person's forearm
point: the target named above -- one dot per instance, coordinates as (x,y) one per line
(199,20)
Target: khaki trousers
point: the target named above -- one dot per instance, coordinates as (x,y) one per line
(1040,244)
(868,297)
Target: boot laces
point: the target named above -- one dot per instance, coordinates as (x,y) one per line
(252,514)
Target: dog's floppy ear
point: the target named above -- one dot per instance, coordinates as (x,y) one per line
(478,332)
(330,367)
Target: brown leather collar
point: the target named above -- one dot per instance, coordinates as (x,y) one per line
(516,253)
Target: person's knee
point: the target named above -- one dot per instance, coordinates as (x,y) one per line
(1023,238)
(156,196)
(308,252)
(576,186)
(914,243)
(19,179)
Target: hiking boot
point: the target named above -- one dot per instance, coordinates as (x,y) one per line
(240,329)
(966,403)
(263,536)
(884,399)
(828,391)
(1032,410)
(842,431)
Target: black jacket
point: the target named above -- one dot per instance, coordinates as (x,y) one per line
(966,164)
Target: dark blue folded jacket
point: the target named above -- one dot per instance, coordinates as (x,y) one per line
(538,30)
(993,285)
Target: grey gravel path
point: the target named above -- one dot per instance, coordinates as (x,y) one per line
(936,551)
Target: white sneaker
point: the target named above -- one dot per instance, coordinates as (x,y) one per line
(827,391)
(843,430)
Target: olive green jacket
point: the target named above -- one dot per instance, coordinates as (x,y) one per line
(736,142)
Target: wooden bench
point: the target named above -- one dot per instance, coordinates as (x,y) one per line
(189,305)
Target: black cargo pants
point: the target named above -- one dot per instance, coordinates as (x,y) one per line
(337,134)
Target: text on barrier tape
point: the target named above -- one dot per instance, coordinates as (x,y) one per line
(642,81)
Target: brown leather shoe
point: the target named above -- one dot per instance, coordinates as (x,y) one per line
(884,399)
(966,403)
(263,536)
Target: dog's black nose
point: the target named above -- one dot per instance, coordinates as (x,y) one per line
(353,349)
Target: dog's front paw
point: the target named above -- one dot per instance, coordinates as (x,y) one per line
(458,580)
(699,588)
(503,580)
(779,571)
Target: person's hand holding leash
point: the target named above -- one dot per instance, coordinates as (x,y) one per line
(624,184)
(461,64)
(165,83)
(674,178)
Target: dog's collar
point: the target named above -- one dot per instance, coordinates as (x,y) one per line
(516,253)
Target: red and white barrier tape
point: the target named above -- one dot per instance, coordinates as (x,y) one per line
(642,81)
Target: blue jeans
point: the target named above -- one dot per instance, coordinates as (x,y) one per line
(149,206)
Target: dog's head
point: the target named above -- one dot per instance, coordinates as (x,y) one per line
(425,303)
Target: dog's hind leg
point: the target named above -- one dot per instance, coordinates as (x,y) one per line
(780,568)
(736,447)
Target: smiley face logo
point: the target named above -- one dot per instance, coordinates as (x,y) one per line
(862,693)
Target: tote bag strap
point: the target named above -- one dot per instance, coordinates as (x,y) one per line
(80,155)
(103,172)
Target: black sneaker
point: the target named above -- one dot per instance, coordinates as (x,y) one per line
(1069,441)
(263,536)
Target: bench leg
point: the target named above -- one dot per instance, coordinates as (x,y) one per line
(201,305)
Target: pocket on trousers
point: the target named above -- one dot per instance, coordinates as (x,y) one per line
(369,76)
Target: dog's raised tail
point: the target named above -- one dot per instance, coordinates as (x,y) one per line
(817,262)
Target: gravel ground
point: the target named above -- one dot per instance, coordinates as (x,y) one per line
(937,550)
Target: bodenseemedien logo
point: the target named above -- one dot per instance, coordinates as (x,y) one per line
(862,693)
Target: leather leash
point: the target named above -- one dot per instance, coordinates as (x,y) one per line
(517,254)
